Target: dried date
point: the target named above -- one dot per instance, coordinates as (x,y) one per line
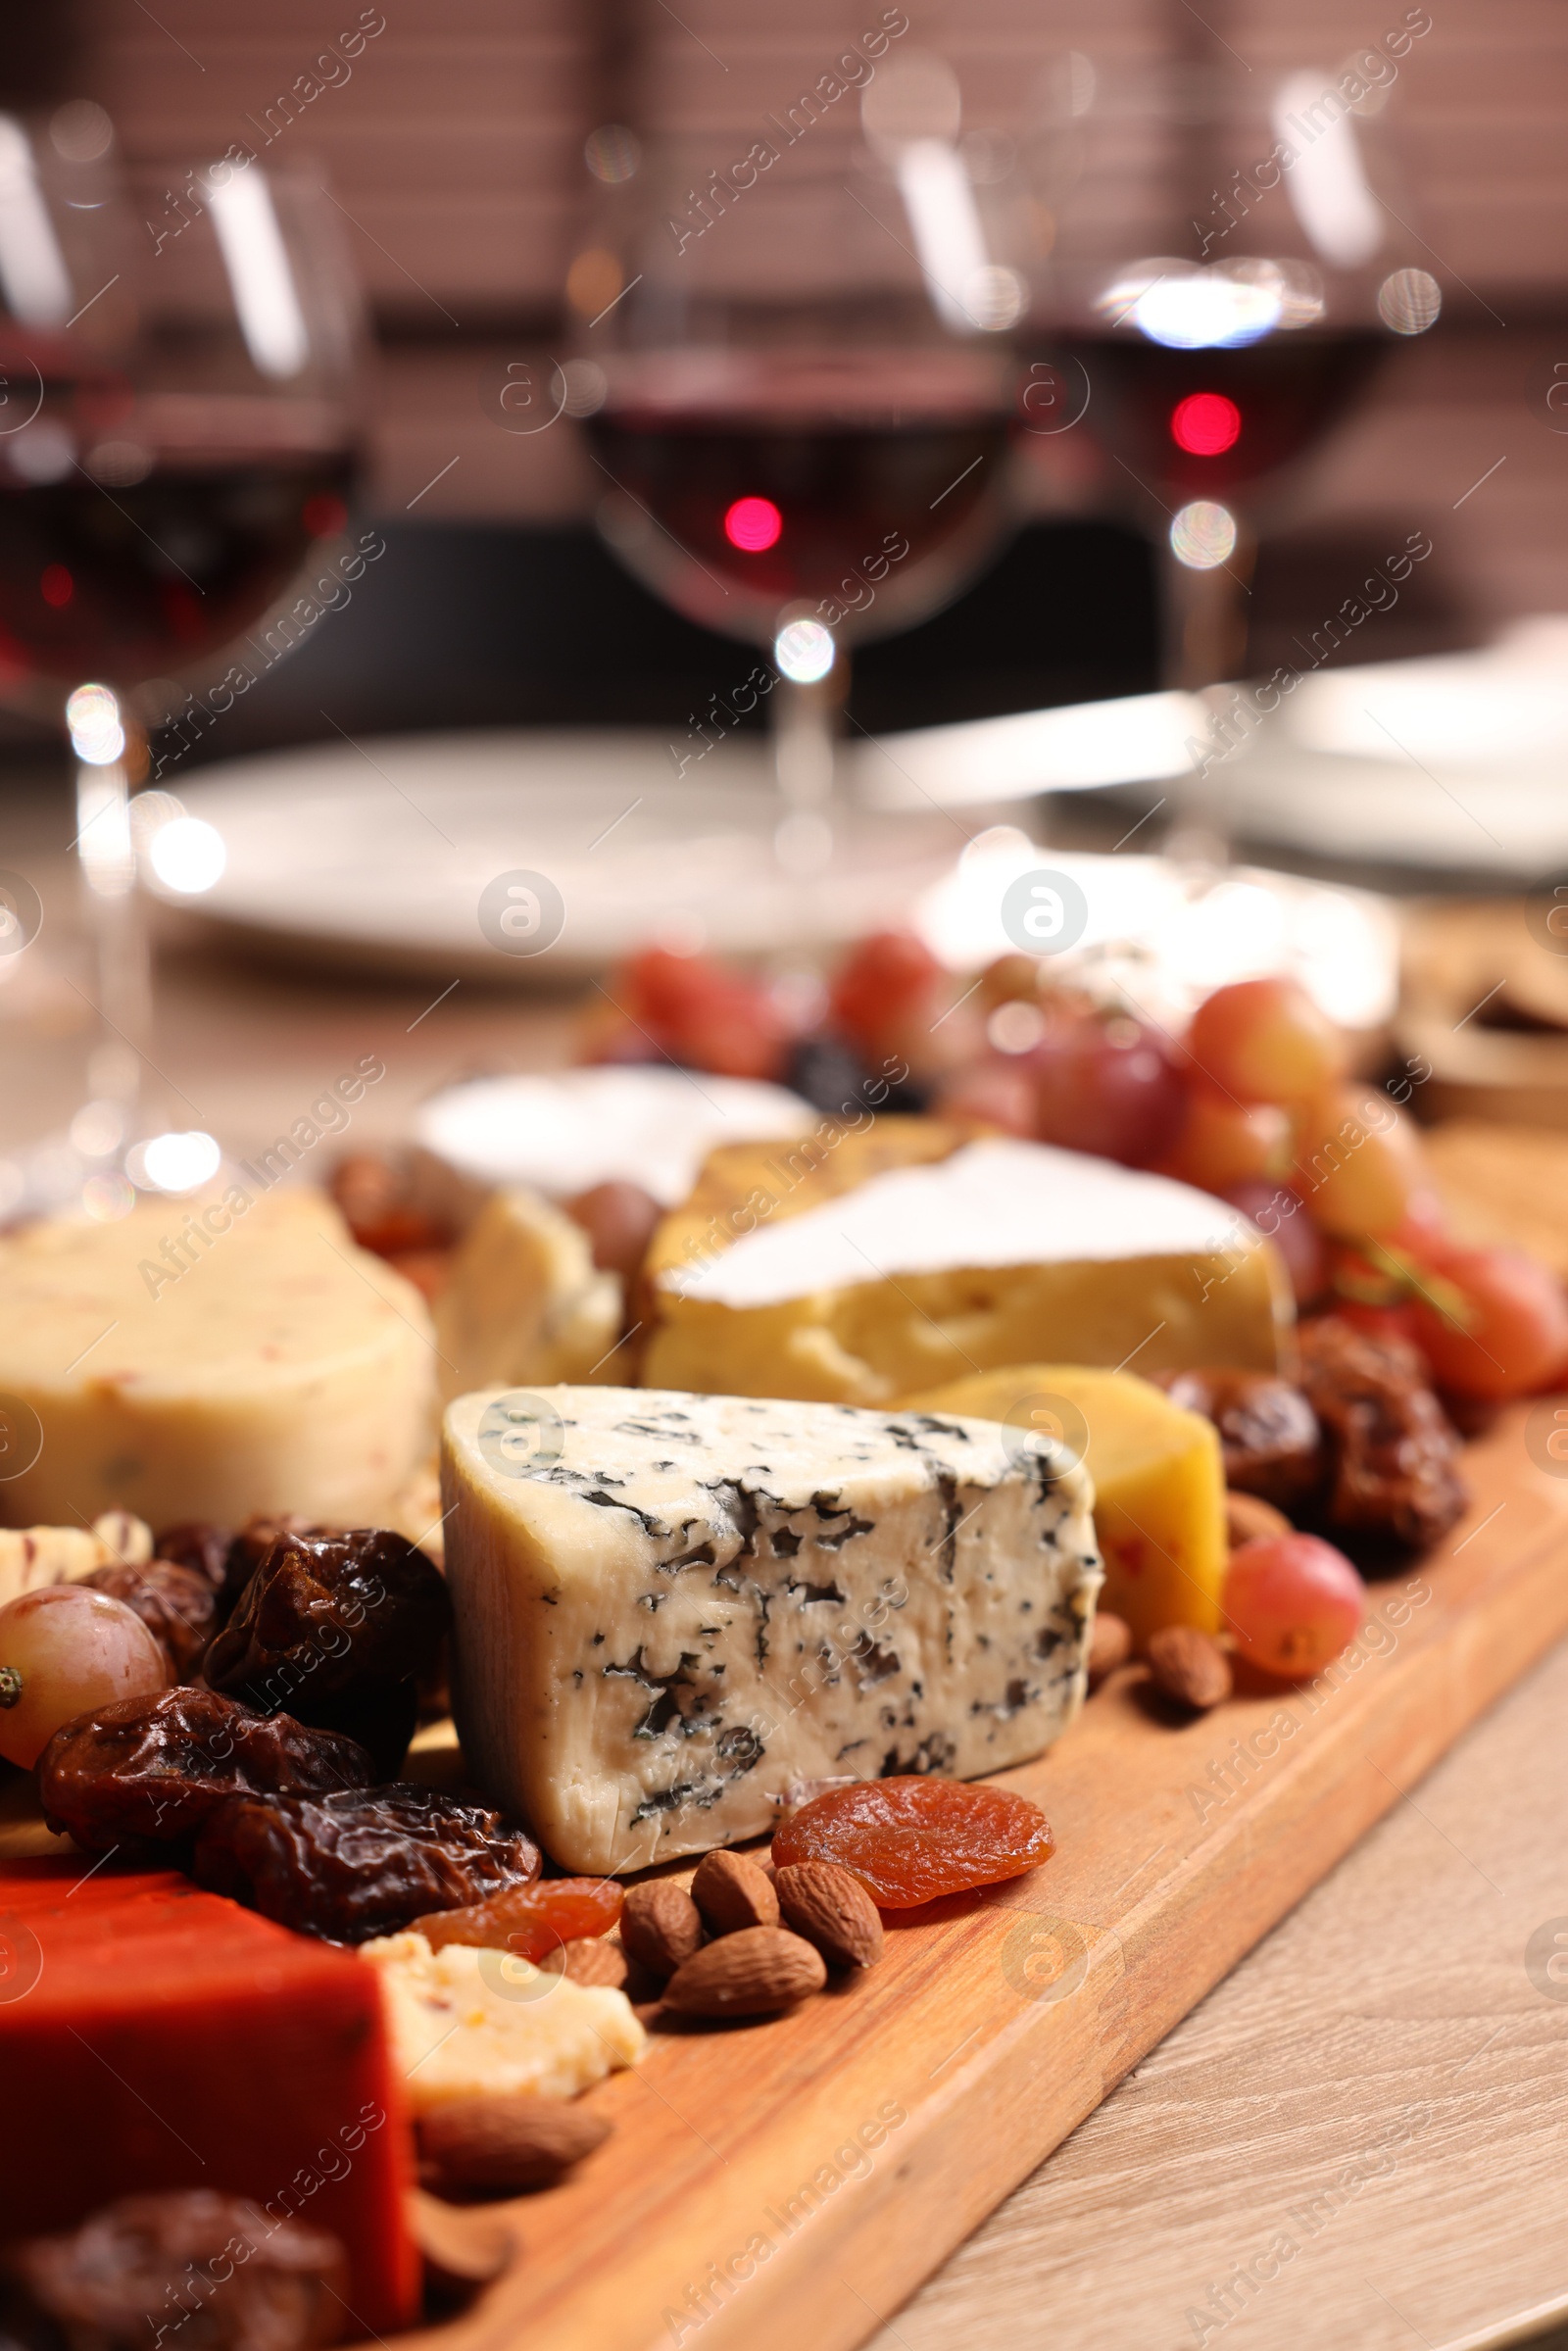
(362,1863)
(226,1560)
(335,1629)
(152,1768)
(176,1604)
(1393,1481)
(210,2269)
(1268,1431)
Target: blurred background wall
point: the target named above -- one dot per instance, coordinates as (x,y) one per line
(455,150)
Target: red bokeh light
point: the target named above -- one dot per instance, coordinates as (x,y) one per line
(56,586)
(1206,423)
(753,524)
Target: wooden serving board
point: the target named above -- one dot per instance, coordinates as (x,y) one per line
(791,2182)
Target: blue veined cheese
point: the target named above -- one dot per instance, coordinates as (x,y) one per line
(667,1606)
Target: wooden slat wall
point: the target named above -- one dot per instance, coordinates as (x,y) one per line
(456,147)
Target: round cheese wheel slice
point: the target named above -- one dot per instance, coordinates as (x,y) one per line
(208,1358)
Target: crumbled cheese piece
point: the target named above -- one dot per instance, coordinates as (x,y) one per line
(467,2022)
(524,1301)
(34,1556)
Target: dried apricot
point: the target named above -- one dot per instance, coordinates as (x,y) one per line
(910,1839)
(531,1920)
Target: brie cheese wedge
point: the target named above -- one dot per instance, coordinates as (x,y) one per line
(911,1255)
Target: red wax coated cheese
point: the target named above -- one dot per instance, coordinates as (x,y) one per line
(155,2036)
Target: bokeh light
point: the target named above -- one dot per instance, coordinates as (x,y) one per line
(753,524)
(1410,301)
(1206,423)
(1202,535)
(804,651)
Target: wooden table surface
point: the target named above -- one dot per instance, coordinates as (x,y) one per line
(1360,2138)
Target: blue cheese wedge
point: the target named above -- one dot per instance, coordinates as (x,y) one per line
(667,1607)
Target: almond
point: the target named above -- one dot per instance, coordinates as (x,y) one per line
(659,1926)
(461,2250)
(503,2144)
(749,1973)
(832,1910)
(1190,1667)
(592,1959)
(1248,1515)
(732,1892)
(1110,1644)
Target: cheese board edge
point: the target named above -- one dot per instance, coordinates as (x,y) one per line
(1064,1979)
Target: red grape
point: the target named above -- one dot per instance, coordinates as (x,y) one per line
(888,981)
(1357,1162)
(1265,1041)
(1011,979)
(699,1013)
(65,1649)
(1292,1602)
(1279,1212)
(1000,1093)
(1506,1332)
(618,1219)
(1220,1143)
(1107,1084)
(1391,1325)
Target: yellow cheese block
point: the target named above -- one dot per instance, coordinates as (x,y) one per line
(524,1307)
(209,1359)
(857,1270)
(1158,1474)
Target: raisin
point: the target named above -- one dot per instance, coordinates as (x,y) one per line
(359,1863)
(1394,1458)
(176,1604)
(531,1920)
(154,1767)
(335,1629)
(198,1545)
(224,1559)
(1268,1431)
(212,2268)
(909,1841)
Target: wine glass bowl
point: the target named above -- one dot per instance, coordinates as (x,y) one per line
(1232,259)
(178,427)
(794,374)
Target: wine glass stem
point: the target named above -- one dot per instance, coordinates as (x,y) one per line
(1205,644)
(803,745)
(804,718)
(119,932)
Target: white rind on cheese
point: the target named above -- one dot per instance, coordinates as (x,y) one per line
(566,1131)
(465,2023)
(524,1302)
(267,1366)
(683,1604)
(994,1202)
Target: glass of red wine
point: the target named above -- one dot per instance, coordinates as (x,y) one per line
(1231,259)
(180,351)
(795,368)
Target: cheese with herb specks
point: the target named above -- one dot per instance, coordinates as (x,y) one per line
(208,1358)
(669,1606)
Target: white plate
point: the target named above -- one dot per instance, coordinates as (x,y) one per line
(380,853)
(1455,762)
